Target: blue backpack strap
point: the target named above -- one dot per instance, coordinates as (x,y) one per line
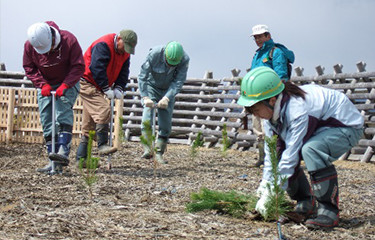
(270,53)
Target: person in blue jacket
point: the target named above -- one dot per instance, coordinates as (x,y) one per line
(275,56)
(161,78)
(313,123)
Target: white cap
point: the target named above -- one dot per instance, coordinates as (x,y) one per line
(40,37)
(259,29)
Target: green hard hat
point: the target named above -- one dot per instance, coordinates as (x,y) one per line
(174,53)
(259,84)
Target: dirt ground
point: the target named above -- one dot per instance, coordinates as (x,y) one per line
(131,201)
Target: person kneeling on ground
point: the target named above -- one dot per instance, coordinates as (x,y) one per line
(319,123)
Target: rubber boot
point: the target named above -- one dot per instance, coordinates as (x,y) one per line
(299,189)
(64,142)
(102,138)
(147,154)
(260,161)
(48,167)
(161,146)
(82,152)
(326,191)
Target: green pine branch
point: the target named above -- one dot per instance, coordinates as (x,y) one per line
(232,203)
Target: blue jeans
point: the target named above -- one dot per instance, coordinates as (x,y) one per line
(64,109)
(327,146)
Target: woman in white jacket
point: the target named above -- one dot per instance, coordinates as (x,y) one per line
(313,123)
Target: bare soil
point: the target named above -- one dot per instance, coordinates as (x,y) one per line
(134,201)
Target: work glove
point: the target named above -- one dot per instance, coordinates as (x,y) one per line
(118,93)
(261,204)
(262,187)
(60,90)
(46,90)
(163,103)
(148,102)
(110,94)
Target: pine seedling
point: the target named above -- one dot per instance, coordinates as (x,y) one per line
(225,140)
(91,164)
(197,143)
(232,203)
(277,203)
(149,140)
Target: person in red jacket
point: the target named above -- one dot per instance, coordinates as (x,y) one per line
(107,63)
(53,61)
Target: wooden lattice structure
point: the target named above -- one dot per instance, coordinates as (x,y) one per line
(20,117)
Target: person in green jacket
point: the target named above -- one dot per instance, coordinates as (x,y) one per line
(161,78)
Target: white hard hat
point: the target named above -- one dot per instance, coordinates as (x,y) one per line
(40,37)
(259,29)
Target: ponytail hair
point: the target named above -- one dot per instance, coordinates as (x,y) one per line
(293,90)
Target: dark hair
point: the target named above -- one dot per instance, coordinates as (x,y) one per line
(293,90)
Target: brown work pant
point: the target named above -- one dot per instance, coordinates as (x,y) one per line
(96,108)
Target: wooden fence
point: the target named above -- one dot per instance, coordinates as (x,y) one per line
(19,117)
(204,105)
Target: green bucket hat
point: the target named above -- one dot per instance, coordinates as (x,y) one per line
(130,40)
(259,84)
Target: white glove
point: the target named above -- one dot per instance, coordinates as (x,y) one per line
(262,187)
(163,103)
(110,94)
(261,204)
(118,93)
(148,102)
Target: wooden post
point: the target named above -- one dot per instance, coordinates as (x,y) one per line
(119,103)
(320,72)
(10,118)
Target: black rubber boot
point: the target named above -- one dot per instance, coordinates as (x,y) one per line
(326,191)
(299,189)
(102,138)
(82,151)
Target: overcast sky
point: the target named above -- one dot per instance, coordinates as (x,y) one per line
(215,34)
